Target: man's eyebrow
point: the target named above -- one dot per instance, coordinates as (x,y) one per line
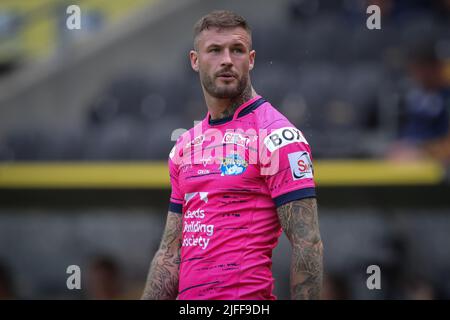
(213,45)
(239,44)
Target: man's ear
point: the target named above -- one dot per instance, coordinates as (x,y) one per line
(252,59)
(193,56)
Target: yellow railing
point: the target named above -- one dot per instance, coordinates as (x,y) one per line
(155,174)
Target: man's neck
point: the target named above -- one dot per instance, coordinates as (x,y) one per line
(222,108)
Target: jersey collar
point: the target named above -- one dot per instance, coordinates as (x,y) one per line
(248,104)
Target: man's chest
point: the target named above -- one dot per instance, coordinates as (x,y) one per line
(220,160)
(219,171)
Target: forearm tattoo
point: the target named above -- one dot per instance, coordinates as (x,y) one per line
(162,280)
(300,223)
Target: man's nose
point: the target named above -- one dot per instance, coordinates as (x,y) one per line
(226,58)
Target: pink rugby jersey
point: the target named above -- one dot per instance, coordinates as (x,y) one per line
(228,176)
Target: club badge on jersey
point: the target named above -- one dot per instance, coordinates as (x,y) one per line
(233,165)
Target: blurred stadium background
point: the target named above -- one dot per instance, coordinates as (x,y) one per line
(88,117)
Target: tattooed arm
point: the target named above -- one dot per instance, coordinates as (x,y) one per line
(300,223)
(162,280)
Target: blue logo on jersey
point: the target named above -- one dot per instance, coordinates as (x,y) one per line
(233,165)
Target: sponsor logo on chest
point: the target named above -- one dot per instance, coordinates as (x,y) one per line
(236,138)
(282,137)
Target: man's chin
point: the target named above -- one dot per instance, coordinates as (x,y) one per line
(226,92)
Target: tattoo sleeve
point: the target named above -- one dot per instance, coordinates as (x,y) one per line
(300,223)
(162,279)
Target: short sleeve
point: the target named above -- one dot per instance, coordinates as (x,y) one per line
(176,198)
(289,172)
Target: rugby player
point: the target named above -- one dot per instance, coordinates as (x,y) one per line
(239,179)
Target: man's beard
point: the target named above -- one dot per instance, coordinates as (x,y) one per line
(225,91)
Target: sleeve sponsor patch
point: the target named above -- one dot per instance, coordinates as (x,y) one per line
(301,165)
(282,137)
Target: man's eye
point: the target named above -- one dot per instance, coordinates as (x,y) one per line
(237,50)
(214,50)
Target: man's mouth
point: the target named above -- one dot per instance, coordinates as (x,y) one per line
(226,75)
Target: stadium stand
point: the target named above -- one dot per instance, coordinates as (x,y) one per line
(312,50)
